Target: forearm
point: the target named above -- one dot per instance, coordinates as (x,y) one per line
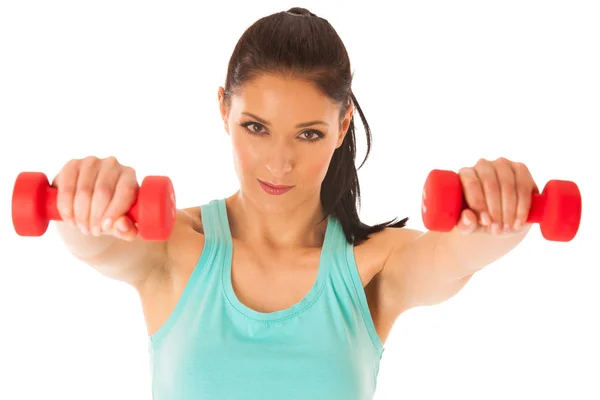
(462,255)
(83,247)
(129,261)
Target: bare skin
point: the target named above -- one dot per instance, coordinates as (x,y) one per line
(259,280)
(277,239)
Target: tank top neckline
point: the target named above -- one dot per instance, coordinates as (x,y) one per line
(276,316)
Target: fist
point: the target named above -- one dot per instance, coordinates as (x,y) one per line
(96,194)
(498,196)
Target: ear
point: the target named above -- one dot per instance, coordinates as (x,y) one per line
(223,108)
(345,125)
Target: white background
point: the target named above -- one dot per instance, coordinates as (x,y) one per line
(441,83)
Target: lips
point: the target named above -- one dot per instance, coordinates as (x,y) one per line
(273,189)
(275,186)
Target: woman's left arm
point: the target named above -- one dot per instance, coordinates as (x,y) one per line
(428,268)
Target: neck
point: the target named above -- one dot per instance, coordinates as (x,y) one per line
(299,227)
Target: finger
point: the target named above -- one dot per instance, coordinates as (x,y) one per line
(473,192)
(124,196)
(124,228)
(508,198)
(491,188)
(467,223)
(66,183)
(103,192)
(525,189)
(84,191)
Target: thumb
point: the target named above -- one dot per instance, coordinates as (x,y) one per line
(124,228)
(467,223)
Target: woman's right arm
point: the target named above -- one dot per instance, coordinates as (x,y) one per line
(94,196)
(127,261)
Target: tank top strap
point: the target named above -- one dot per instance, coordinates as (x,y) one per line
(337,238)
(346,281)
(213,222)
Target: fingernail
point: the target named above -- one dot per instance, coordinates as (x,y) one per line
(517,225)
(83,229)
(506,227)
(96,231)
(485,219)
(466,220)
(107,224)
(495,229)
(122,226)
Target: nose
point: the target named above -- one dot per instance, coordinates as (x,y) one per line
(279,159)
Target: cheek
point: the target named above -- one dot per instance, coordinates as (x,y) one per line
(316,167)
(245,155)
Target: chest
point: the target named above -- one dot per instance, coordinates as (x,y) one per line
(301,358)
(267,281)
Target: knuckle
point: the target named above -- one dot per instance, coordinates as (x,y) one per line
(524,194)
(465,171)
(477,201)
(129,171)
(66,189)
(103,190)
(519,166)
(111,160)
(128,190)
(473,185)
(491,187)
(88,162)
(72,163)
(85,190)
(502,161)
(482,162)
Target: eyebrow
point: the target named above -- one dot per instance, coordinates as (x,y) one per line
(302,125)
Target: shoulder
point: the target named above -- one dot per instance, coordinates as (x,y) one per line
(187,235)
(380,245)
(372,254)
(192,218)
(183,248)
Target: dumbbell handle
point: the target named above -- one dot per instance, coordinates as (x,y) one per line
(52,208)
(557,208)
(536,210)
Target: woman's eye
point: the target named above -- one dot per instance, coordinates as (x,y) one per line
(253,127)
(312,135)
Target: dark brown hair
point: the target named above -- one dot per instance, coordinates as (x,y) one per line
(300,44)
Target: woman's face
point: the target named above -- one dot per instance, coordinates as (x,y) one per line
(284,131)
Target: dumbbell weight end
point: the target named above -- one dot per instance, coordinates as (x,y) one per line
(34,205)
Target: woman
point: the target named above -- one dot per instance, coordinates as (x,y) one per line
(280,291)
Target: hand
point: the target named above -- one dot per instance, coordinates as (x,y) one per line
(498,194)
(95,194)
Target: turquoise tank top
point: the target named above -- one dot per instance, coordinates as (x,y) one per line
(213,347)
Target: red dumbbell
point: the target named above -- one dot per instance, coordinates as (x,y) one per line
(557,209)
(34,206)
